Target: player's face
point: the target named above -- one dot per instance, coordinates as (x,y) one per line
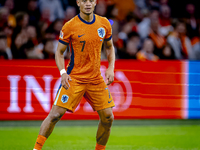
(86,6)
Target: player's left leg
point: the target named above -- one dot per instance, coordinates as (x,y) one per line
(104,128)
(100,98)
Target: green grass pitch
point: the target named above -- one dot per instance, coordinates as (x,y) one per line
(125,135)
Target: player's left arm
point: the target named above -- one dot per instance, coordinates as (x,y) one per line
(110,52)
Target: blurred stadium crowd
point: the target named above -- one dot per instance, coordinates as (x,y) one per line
(142,29)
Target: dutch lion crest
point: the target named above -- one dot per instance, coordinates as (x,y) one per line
(64,98)
(101,32)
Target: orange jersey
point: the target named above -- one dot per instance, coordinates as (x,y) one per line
(85,40)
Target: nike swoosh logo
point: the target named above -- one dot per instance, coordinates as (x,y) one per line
(109,101)
(39,143)
(81,35)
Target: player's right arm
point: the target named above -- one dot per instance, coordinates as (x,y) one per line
(60,62)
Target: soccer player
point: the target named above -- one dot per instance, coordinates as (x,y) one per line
(84,34)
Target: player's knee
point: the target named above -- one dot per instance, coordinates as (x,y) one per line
(107,120)
(55,117)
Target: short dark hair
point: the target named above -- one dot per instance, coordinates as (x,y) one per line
(177,22)
(20,15)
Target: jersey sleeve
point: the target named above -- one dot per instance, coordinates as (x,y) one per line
(108,35)
(65,34)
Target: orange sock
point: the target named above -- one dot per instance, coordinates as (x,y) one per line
(39,142)
(100,147)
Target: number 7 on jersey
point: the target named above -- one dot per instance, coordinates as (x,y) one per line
(83,45)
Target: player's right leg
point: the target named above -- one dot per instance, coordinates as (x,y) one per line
(48,125)
(65,100)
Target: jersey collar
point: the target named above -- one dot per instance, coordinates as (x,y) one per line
(86,21)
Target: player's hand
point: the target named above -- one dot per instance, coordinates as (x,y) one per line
(65,80)
(109,76)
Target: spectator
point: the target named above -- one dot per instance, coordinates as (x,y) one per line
(70,12)
(164,20)
(131,50)
(7,23)
(101,8)
(22,20)
(8,30)
(9,4)
(30,48)
(147,51)
(32,34)
(144,25)
(45,17)
(5,52)
(191,21)
(18,50)
(140,8)
(49,36)
(180,43)
(53,32)
(56,27)
(54,7)
(131,47)
(19,37)
(33,12)
(167,52)
(42,26)
(3,17)
(32,51)
(48,51)
(49,33)
(157,38)
(111,14)
(128,27)
(196,45)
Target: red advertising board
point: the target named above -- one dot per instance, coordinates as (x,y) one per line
(140,90)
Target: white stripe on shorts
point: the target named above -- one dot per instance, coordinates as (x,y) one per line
(57,96)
